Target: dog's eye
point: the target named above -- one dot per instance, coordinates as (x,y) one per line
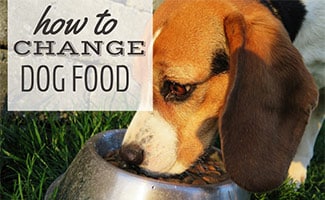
(178,90)
(173,91)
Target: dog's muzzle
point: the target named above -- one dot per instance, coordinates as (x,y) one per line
(151,143)
(132,154)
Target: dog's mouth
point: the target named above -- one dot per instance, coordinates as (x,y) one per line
(152,163)
(208,169)
(159,149)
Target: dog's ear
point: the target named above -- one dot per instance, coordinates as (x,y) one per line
(269,100)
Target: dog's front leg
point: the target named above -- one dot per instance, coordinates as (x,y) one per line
(298,168)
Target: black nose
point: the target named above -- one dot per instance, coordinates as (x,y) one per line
(132,154)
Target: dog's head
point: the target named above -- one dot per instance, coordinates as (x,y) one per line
(226,66)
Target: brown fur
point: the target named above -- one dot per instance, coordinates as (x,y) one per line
(268,104)
(263,102)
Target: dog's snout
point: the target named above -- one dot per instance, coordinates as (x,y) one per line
(132,154)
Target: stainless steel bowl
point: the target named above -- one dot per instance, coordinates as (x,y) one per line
(89,176)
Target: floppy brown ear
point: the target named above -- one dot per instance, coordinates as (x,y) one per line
(268,104)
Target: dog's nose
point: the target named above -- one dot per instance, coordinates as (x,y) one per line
(132,154)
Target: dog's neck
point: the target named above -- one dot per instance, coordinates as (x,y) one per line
(291,13)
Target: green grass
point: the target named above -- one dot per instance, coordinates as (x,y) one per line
(36,147)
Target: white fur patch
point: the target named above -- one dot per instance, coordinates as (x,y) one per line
(310,40)
(146,100)
(298,172)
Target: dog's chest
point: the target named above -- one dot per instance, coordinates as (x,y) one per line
(310,40)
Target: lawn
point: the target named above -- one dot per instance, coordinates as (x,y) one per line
(36,147)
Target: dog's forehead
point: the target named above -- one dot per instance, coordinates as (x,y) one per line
(185,46)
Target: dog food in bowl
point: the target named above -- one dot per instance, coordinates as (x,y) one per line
(207,170)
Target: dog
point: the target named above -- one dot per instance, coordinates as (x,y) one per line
(230,66)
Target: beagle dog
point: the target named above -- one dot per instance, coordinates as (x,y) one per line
(230,67)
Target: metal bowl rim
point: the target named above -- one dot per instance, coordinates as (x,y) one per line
(149,179)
